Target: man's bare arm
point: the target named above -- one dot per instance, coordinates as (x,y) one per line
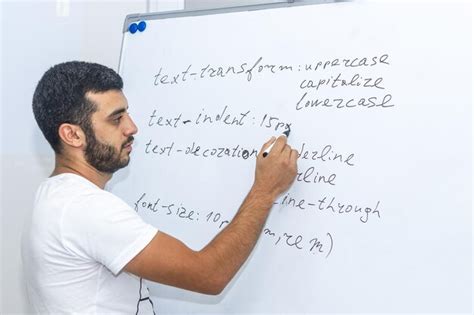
(167,260)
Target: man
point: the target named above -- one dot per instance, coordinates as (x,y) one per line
(86,250)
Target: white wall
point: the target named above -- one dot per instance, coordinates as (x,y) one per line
(33,38)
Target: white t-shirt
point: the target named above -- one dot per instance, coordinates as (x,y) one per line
(73,253)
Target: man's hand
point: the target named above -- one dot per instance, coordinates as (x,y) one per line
(276,172)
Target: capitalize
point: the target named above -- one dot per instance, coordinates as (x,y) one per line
(355,81)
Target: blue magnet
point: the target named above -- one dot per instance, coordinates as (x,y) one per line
(141,26)
(133,28)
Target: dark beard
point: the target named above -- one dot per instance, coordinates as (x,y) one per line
(103,157)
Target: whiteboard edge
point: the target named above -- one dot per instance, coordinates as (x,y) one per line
(134,17)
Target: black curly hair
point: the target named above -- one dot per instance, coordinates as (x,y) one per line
(60,96)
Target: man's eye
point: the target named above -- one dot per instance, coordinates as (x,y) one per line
(117,120)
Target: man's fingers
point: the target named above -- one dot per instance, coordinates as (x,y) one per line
(267,144)
(294,155)
(280,144)
(286,152)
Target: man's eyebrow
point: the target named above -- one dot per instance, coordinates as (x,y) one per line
(118,111)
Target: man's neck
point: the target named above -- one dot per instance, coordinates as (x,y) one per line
(67,165)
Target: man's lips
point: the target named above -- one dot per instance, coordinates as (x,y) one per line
(128,146)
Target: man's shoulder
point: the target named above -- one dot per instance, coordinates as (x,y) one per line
(72,188)
(75,199)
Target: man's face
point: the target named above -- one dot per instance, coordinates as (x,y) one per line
(110,134)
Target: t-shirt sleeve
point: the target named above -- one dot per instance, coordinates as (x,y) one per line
(102,227)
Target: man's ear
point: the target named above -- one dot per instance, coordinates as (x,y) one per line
(72,135)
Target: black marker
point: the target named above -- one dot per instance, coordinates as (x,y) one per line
(286,133)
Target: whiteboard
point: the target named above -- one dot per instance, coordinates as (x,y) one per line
(378,97)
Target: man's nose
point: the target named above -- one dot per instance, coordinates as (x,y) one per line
(131,127)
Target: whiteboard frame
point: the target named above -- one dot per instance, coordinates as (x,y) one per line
(135,17)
